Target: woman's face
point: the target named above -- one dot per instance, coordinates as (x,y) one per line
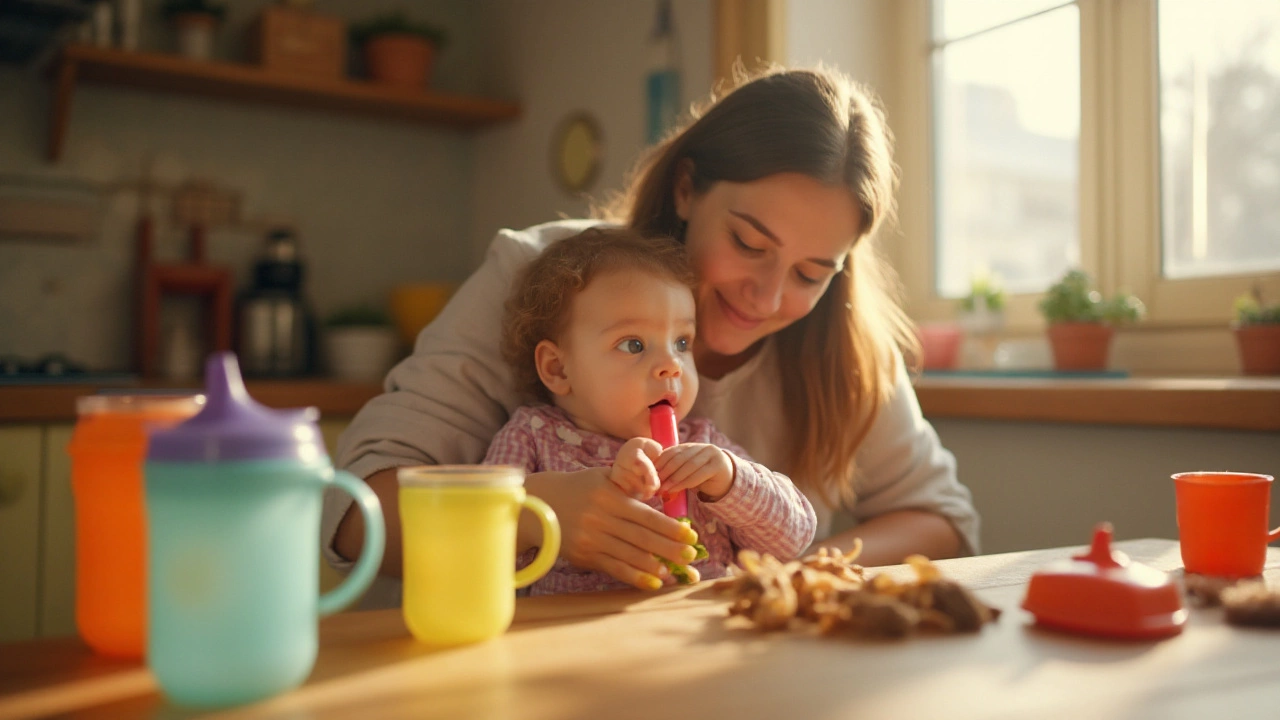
(764,252)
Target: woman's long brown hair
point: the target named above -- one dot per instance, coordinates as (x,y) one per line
(840,359)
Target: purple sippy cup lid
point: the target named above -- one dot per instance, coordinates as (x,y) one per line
(232,426)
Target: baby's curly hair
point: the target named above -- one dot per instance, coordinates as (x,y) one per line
(539,304)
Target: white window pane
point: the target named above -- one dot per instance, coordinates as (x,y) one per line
(957,18)
(1220,136)
(1007,172)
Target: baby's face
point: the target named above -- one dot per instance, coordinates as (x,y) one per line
(627,346)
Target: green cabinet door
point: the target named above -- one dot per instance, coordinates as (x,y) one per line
(57,615)
(21,452)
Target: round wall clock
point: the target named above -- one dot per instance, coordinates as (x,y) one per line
(576,152)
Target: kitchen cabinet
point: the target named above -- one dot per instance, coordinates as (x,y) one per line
(37,529)
(20,475)
(57,616)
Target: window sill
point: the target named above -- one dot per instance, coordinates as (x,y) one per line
(1219,403)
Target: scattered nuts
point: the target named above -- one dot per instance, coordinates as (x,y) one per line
(829,590)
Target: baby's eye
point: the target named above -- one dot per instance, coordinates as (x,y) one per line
(682,345)
(631,346)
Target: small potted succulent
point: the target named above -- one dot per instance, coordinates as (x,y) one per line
(360,343)
(398,51)
(1257,330)
(1081,322)
(194,21)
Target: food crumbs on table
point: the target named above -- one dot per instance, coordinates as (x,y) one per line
(1252,604)
(1206,590)
(831,592)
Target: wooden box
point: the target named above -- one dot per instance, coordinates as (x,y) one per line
(300,42)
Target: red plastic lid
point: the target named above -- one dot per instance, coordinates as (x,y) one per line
(1103,593)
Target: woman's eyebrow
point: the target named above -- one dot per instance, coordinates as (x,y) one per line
(759,226)
(765,231)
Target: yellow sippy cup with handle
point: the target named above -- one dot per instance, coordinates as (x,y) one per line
(459,529)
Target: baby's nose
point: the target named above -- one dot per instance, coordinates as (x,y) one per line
(668,367)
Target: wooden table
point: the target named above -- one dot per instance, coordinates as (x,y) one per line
(672,655)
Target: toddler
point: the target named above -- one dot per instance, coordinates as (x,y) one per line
(599,328)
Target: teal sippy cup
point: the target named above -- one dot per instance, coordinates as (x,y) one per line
(233,500)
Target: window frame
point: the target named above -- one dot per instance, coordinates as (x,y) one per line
(1120,242)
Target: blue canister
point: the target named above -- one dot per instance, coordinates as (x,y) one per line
(233,500)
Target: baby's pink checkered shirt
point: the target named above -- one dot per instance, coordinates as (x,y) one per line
(763,511)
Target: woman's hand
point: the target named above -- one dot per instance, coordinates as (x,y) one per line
(696,465)
(889,538)
(633,470)
(604,529)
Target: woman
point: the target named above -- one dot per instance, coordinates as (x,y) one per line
(775,190)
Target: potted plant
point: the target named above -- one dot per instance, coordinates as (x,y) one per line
(940,344)
(398,51)
(982,310)
(1081,322)
(194,21)
(1257,330)
(360,343)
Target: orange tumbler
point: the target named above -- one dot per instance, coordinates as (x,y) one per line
(108,448)
(1222,522)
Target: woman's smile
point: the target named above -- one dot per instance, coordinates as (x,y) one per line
(738,319)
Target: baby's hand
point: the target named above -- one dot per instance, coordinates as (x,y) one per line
(696,465)
(633,469)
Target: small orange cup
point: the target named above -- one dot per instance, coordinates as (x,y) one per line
(108,448)
(1222,522)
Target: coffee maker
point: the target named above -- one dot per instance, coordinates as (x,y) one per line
(276,328)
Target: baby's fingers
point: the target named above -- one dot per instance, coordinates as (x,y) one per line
(693,470)
(646,477)
(671,459)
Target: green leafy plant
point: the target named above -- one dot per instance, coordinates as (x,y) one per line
(358,316)
(1073,299)
(984,291)
(171,9)
(1251,310)
(397,23)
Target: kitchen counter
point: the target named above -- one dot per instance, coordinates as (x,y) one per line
(1230,403)
(1226,403)
(57,402)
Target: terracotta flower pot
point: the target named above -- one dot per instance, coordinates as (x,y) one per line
(1080,345)
(399,59)
(1259,348)
(940,343)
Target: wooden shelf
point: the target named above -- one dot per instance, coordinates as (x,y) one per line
(249,83)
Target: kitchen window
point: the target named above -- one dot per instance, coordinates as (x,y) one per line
(1006,143)
(1137,139)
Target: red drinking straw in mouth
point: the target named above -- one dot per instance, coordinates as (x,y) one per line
(662,425)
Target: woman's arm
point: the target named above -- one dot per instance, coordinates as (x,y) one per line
(603,529)
(443,404)
(348,540)
(903,467)
(889,538)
